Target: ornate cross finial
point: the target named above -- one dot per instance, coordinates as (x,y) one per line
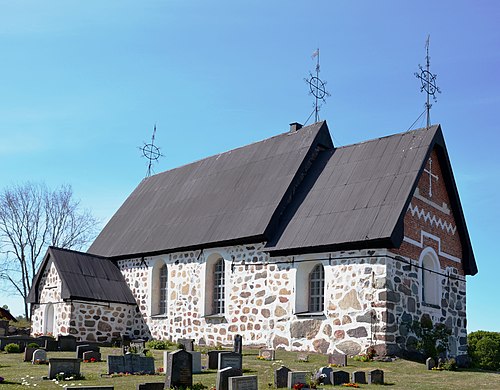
(317,88)
(151,152)
(428,81)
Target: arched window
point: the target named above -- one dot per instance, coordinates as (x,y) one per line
(317,289)
(215,285)
(431,289)
(309,288)
(159,291)
(218,288)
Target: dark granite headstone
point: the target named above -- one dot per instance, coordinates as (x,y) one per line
(358,377)
(150,386)
(68,366)
(213,359)
(339,359)
(247,382)
(376,377)
(281,377)
(84,348)
(230,359)
(430,363)
(89,355)
(39,356)
(267,354)
(130,363)
(339,377)
(28,353)
(324,375)
(179,370)
(222,382)
(295,377)
(51,345)
(187,343)
(238,344)
(67,343)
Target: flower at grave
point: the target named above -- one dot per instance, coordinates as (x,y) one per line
(298,386)
(1,379)
(350,385)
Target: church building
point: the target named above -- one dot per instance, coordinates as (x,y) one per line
(290,242)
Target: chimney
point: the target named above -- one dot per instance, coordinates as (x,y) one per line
(294,127)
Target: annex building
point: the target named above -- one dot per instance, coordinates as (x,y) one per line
(291,242)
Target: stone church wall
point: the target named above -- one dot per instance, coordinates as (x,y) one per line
(50,305)
(261,299)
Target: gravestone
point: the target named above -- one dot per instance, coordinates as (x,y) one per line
(213,359)
(28,353)
(238,344)
(67,366)
(150,386)
(358,377)
(136,346)
(187,343)
(302,357)
(376,377)
(67,343)
(339,359)
(267,354)
(281,377)
(85,348)
(89,355)
(339,377)
(130,363)
(230,359)
(222,382)
(295,377)
(51,345)
(196,362)
(179,370)
(39,356)
(430,363)
(325,373)
(247,382)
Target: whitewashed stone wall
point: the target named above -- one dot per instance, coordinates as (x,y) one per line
(50,295)
(261,299)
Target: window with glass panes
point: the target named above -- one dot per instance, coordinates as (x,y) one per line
(316,289)
(163,289)
(218,291)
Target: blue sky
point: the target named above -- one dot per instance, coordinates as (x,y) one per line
(82,85)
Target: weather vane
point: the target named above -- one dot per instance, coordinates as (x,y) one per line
(151,152)
(317,88)
(428,81)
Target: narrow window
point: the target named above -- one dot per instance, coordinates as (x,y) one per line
(316,289)
(163,280)
(218,288)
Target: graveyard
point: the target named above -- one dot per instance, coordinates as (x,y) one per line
(256,369)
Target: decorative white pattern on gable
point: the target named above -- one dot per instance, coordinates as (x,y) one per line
(432,237)
(431,218)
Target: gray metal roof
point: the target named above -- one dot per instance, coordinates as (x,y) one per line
(220,199)
(85,277)
(359,195)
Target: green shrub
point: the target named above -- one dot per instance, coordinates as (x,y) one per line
(159,344)
(432,339)
(12,348)
(484,349)
(33,345)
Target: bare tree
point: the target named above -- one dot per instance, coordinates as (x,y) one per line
(32,217)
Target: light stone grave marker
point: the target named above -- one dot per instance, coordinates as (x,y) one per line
(39,356)
(68,366)
(339,359)
(179,370)
(302,357)
(230,359)
(295,377)
(222,382)
(267,354)
(248,382)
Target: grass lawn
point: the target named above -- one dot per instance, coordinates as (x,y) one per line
(400,374)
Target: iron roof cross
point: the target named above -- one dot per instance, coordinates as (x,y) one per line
(431,176)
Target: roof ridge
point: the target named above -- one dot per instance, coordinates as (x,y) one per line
(52,247)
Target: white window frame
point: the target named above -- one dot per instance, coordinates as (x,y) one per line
(430,278)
